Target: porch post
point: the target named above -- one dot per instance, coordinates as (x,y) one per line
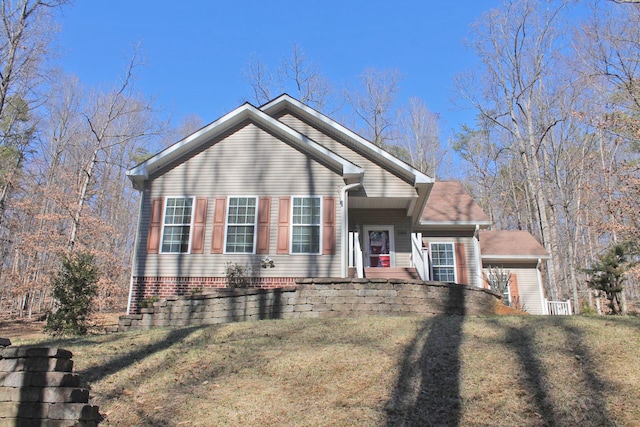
(543,300)
(476,248)
(344,227)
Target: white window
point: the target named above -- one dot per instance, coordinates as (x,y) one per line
(241,225)
(506,296)
(176,229)
(305,234)
(443,262)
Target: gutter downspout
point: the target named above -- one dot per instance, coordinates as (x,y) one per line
(134,256)
(476,244)
(344,230)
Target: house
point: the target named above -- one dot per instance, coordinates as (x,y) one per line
(286,192)
(520,255)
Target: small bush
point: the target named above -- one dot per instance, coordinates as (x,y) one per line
(236,275)
(587,309)
(499,280)
(74,287)
(148,302)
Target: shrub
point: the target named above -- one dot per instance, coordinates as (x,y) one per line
(148,302)
(236,275)
(587,309)
(608,273)
(74,287)
(499,281)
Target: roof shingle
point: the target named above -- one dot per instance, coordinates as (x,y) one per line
(449,202)
(510,243)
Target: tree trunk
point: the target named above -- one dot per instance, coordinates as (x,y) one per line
(82,198)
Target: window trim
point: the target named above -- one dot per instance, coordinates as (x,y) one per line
(319,225)
(164,225)
(455,261)
(255,225)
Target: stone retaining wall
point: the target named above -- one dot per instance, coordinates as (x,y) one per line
(38,388)
(315,298)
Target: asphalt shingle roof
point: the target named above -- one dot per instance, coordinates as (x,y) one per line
(515,243)
(450,202)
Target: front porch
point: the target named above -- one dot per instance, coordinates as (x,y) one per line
(377,259)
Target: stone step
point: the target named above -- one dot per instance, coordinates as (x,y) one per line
(391,273)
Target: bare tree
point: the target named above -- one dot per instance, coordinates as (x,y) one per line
(312,88)
(558,129)
(374,103)
(520,95)
(608,59)
(295,74)
(113,120)
(262,82)
(420,135)
(24,41)
(25,34)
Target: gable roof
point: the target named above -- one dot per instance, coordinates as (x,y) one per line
(141,172)
(450,205)
(355,141)
(510,245)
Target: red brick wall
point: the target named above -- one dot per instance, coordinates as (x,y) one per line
(147,287)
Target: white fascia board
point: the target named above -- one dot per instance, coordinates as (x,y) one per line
(489,257)
(447,224)
(142,171)
(419,177)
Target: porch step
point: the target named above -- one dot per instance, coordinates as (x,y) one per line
(391,273)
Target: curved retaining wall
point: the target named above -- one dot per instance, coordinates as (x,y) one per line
(317,298)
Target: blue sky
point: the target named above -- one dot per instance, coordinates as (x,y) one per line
(195,51)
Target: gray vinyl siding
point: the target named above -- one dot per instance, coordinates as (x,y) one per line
(473,275)
(378,182)
(528,288)
(248,162)
(360,218)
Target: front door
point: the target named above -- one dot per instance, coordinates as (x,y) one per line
(379,246)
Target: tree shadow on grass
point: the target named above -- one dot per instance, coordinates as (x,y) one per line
(593,409)
(586,406)
(95,373)
(521,340)
(427,391)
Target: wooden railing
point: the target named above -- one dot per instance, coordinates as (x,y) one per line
(356,258)
(559,308)
(419,259)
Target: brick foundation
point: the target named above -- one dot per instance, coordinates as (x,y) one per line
(163,287)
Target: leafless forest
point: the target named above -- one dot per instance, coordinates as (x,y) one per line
(554,149)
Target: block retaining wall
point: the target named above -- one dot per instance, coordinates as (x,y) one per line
(38,388)
(315,298)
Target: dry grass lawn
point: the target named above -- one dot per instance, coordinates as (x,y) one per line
(376,371)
